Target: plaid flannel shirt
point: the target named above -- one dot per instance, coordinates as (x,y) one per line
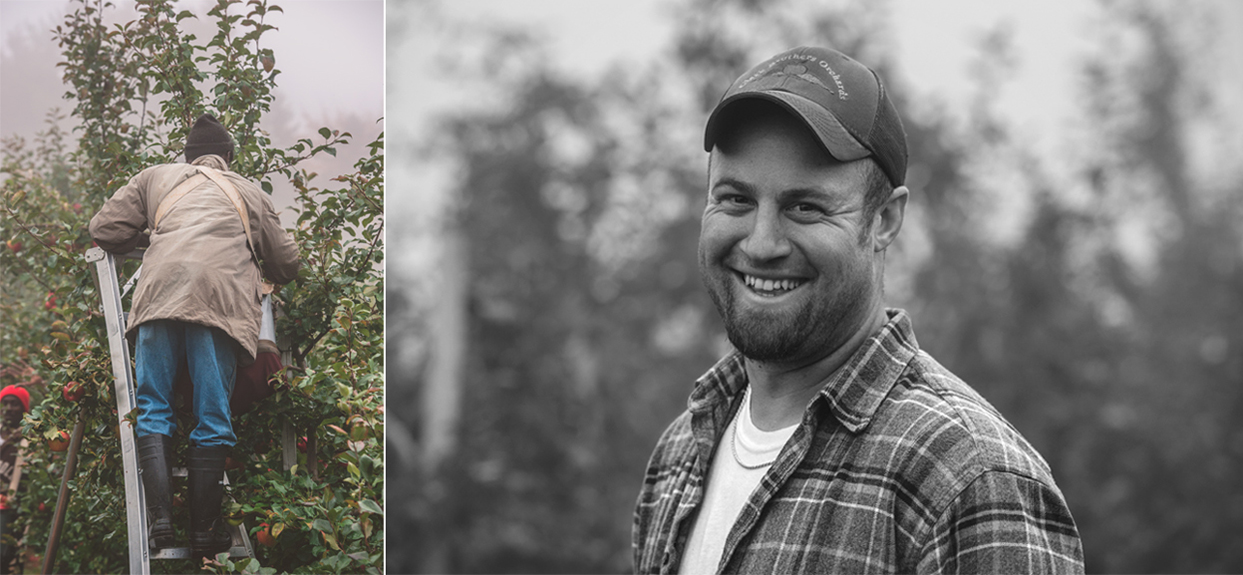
(897,466)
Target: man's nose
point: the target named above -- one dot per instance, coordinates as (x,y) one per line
(767,240)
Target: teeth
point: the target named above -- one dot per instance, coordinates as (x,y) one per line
(769,285)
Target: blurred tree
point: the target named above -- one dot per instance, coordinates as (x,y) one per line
(1156,483)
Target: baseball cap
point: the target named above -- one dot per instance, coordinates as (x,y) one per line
(843,102)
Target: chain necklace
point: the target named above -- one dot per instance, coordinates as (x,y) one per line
(733,442)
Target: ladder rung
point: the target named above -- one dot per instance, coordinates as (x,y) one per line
(181,472)
(235,552)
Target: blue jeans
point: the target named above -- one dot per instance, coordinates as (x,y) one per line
(163,347)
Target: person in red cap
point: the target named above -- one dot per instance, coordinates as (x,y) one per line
(211,234)
(14,403)
(827,441)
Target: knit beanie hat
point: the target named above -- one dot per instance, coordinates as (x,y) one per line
(208,136)
(18,392)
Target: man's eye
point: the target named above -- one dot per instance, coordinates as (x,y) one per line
(808,209)
(733,200)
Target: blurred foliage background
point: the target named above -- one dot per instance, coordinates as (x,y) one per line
(546,321)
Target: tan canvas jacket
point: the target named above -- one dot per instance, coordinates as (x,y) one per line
(197,268)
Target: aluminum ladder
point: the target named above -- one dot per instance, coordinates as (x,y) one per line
(106,270)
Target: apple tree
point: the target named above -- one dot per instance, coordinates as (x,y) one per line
(135,88)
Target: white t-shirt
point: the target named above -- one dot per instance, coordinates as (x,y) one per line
(742,458)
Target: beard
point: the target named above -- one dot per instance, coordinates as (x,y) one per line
(815,327)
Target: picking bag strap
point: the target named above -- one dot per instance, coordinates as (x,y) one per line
(227,187)
(171,199)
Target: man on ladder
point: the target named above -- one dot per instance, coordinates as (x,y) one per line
(197,305)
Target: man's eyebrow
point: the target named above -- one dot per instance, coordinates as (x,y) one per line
(813,192)
(799,193)
(733,183)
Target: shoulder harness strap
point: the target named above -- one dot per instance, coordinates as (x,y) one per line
(17,465)
(227,187)
(205,173)
(171,198)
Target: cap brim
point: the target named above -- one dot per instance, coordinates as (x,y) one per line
(837,140)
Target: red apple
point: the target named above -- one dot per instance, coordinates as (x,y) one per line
(14,245)
(265,536)
(59,444)
(73,391)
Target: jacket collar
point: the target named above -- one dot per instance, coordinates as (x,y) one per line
(211,161)
(853,393)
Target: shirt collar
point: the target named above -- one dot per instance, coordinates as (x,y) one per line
(854,392)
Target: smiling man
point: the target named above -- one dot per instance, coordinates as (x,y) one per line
(828,442)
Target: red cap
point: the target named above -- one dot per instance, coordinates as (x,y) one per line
(842,101)
(19,393)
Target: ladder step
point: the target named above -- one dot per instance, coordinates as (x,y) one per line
(181,472)
(235,552)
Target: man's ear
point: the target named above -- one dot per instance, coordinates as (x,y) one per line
(888,219)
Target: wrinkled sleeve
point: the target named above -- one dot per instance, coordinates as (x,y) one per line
(1005,523)
(119,224)
(275,247)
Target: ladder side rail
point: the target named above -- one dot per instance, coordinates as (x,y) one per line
(114,315)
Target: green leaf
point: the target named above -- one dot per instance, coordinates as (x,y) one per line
(331,540)
(370,506)
(322,525)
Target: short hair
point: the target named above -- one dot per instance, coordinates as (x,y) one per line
(877,189)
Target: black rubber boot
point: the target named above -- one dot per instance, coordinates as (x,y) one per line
(154,455)
(208,535)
